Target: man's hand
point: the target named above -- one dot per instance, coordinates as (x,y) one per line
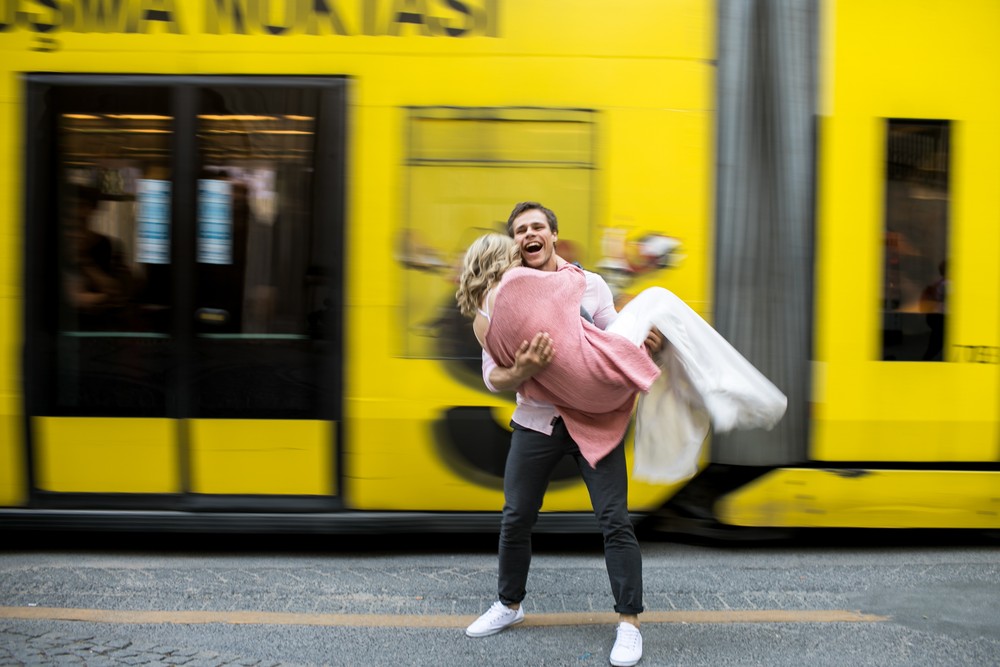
(654,341)
(530,358)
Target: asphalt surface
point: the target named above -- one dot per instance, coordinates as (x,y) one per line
(404,600)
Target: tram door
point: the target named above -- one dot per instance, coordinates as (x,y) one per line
(184,289)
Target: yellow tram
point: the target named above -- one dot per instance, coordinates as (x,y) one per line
(229,233)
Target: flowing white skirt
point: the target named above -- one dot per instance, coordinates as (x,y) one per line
(704,383)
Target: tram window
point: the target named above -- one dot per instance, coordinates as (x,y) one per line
(111,251)
(185,240)
(255,227)
(262,292)
(916,285)
(116,219)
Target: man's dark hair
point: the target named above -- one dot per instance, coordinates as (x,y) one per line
(531,206)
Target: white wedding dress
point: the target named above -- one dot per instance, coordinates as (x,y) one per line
(704,383)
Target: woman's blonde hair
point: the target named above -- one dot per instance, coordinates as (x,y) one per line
(486,260)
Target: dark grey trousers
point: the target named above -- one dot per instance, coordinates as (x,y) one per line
(532,458)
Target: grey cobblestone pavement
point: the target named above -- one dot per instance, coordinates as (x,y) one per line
(940,602)
(22,646)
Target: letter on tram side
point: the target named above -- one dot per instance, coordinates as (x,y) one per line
(443,26)
(162,12)
(226,17)
(264,13)
(315,9)
(43,20)
(408,11)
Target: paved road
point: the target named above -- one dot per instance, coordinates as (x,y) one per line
(399,601)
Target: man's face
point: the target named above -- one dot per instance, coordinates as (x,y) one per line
(535,240)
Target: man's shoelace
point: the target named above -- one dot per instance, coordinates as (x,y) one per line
(630,636)
(500,611)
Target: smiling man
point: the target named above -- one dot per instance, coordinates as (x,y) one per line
(535,231)
(540,440)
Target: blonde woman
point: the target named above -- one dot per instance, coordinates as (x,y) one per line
(486,261)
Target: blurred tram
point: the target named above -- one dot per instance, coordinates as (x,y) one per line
(229,234)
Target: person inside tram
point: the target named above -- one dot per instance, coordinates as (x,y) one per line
(95,276)
(932,302)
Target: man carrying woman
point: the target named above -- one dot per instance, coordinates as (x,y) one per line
(541,435)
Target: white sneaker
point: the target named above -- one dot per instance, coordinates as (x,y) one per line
(497,618)
(628,647)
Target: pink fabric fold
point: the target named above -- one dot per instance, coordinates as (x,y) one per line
(595,375)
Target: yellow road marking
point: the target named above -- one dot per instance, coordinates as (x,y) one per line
(428,620)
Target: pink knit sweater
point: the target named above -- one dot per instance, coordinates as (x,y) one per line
(594,375)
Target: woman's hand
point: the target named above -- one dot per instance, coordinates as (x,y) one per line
(654,341)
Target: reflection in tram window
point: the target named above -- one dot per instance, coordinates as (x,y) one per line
(254,227)
(108,283)
(96,278)
(915,290)
(263,255)
(112,323)
(194,275)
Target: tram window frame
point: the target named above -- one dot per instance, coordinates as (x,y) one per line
(49,98)
(916,228)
